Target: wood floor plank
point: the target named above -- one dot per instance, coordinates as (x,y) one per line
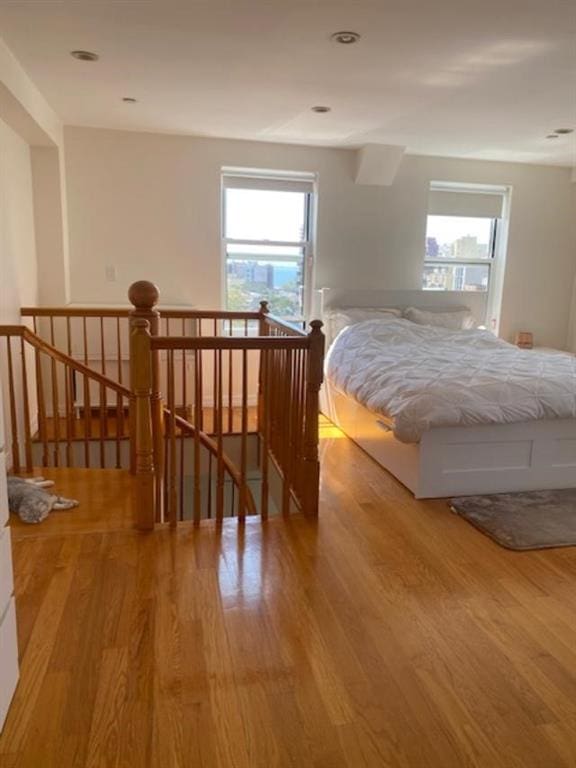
(387,633)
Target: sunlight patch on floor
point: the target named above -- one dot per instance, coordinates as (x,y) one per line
(328,430)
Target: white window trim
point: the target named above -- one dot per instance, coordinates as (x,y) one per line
(497,262)
(237,178)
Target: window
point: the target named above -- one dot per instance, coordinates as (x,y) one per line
(459,253)
(461,237)
(267,236)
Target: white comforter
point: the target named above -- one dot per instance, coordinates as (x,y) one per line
(424,377)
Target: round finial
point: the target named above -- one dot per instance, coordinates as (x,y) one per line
(143,294)
(264,309)
(316,325)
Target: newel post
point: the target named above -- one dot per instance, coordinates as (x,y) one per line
(314,376)
(263,330)
(144,296)
(262,324)
(141,422)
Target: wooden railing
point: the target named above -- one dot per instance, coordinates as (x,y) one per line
(74,415)
(223,406)
(278,414)
(100,339)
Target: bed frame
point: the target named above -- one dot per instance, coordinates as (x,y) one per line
(458,461)
(453,461)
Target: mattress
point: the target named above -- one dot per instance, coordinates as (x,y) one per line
(423,377)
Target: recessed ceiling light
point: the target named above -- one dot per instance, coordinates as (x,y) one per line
(552,136)
(129,99)
(346,38)
(563,131)
(84,55)
(321,109)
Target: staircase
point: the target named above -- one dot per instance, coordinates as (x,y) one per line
(217,417)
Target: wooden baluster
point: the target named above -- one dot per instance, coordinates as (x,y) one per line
(119,407)
(163,493)
(200,377)
(287,435)
(197,422)
(264,428)
(85,340)
(102,430)
(141,389)
(55,401)
(275,378)
(69,395)
(185,416)
(119,412)
(172,493)
(87,421)
(219,437)
(69,336)
(42,424)
(244,437)
(13,409)
(299,417)
(263,329)
(103,391)
(68,389)
(119,350)
(230,385)
(26,407)
(209,507)
(214,377)
(144,296)
(87,403)
(71,380)
(314,376)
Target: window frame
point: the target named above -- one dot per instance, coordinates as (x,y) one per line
(274,183)
(489,261)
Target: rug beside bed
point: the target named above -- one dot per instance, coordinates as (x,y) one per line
(528,520)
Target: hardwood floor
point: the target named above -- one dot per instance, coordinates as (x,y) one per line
(387,633)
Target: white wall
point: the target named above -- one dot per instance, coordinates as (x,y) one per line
(149,205)
(18,269)
(27,125)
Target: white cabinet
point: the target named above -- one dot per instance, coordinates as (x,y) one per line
(8,637)
(8,659)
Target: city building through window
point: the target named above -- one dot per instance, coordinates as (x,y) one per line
(465,245)
(267,241)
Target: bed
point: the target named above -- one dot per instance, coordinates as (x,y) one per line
(449,412)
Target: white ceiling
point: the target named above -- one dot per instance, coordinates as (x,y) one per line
(458,78)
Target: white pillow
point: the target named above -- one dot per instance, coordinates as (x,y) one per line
(339,319)
(455,320)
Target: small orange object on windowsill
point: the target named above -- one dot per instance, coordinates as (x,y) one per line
(524,340)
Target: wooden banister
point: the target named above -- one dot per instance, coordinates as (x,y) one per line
(56,354)
(58,379)
(280,326)
(143,296)
(230,342)
(109,312)
(208,377)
